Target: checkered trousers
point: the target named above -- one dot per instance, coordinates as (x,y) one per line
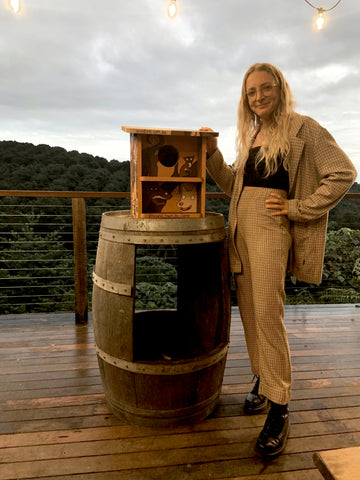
(263,242)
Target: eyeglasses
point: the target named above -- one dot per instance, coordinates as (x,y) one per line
(265,90)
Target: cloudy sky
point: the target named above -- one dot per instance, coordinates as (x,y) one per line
(74,71)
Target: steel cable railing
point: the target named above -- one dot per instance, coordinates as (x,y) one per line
(36,262)
(38,256)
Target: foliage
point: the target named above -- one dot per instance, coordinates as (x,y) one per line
(29,223)
(150,296)
(156,283)
(339,295)
(342,256)
(153,269)
(345,214)
(301,295)
(24,166)
(341,274)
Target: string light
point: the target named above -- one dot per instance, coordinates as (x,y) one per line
(172,8)
(15,5)
(320,19)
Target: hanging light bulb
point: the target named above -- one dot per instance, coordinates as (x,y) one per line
(172,8)
(320,19)
(15,5)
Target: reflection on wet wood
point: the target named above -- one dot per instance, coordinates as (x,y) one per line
(55,424)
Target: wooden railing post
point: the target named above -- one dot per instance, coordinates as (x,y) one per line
(80,260)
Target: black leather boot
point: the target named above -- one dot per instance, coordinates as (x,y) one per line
(255,403)
(273,437)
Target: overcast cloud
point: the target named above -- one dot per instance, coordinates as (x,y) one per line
(74,71)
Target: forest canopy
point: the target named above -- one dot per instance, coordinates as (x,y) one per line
(24,166)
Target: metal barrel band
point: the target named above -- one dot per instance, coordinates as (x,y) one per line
(112,287)
(210,236)
(174,368)
(164,414)
(124,221)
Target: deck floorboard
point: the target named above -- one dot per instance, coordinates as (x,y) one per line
(55,424)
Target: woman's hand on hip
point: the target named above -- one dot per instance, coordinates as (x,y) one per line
(278,203)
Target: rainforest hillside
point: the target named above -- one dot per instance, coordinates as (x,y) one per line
(24,166)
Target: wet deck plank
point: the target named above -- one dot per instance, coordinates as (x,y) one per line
(55,424)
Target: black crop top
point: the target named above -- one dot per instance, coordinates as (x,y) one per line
(254,177)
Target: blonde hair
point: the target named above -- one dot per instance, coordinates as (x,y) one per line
(276,143)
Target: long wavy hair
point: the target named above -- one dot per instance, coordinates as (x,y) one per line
(276,145)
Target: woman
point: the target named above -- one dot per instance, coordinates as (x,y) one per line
(289,172)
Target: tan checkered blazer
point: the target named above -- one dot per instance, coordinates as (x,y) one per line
(320,174)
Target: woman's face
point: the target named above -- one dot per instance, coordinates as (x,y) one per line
(263,94)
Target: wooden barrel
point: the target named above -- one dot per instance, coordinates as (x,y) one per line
(162,367)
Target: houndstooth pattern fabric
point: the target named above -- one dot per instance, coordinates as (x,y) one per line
(263,242)
(320,174)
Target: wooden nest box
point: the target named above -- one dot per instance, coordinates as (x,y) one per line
(168,172)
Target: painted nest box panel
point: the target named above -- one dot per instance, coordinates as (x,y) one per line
(168,172)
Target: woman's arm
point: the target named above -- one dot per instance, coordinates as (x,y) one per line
(220,171)
(335,173)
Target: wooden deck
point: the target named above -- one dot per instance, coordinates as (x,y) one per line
(54,422)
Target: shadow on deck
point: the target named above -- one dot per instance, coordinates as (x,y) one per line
(55,424)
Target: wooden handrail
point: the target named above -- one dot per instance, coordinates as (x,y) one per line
(62,194)
(80,194)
